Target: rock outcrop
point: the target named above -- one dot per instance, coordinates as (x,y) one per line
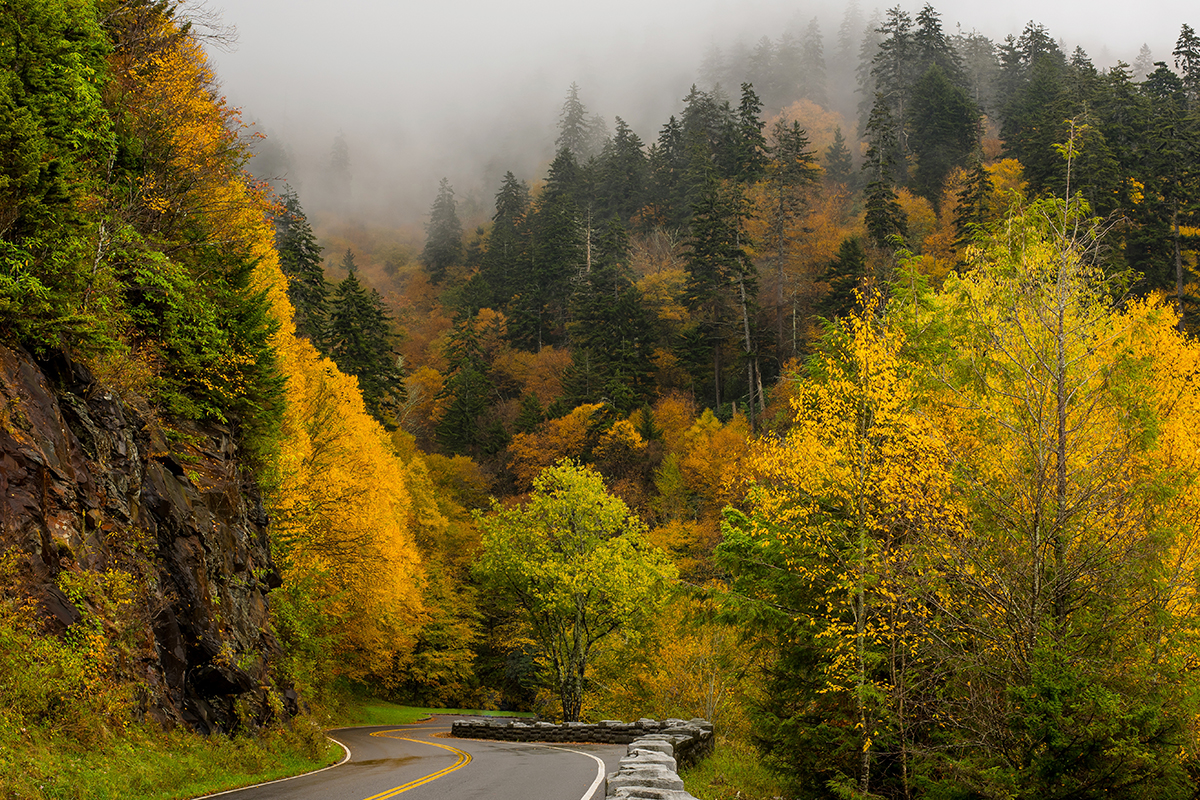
(90,482)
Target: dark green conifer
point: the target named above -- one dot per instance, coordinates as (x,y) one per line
(845,275)
(944,126)
(839,164)
(359,340)
(885,219)
(443,242)
(300,260)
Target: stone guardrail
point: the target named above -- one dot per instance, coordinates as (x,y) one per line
(655,749)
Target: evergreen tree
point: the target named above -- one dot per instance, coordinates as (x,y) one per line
(538,308)
(574,127)
(791,170)
(530,416)
(893,72)
(1143,65)
(443,242)
(751,145)
(1171,187)
(845,275)
(612,332)
(839,164)
(505,264)
(1187,61)
(945,129)
(466,392)
(721,281)
(359,340)
(885,219)
(973,209)
(981,69)
(933,48)
(812,51)
(622,175)
(300,260)
(667,164)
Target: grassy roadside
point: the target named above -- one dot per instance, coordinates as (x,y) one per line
(732,771)
(147,764)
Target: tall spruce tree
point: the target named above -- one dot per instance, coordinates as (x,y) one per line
(885,219)
(622,175)
(611,331)
(300,260)
(505,264)
(466,392)
(443,242)
(839,163)
(359,339)
(721,282)
(945,130)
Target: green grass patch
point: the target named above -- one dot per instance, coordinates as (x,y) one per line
(732,771)
(147,764)
(144,763)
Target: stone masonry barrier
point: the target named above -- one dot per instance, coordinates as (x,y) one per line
(656,749)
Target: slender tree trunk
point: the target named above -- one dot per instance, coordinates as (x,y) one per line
(748,345)
(1061,587)
(1178,262)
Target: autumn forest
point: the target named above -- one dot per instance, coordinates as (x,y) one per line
(849,409)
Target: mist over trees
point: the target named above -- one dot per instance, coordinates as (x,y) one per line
(847,403)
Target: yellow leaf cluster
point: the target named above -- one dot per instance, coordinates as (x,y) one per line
(339,496)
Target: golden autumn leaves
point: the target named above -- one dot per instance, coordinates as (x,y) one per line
(987,508)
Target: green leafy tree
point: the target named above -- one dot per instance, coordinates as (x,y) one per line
(55,140)
(575,561)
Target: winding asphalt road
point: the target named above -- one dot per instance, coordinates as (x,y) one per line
(418,763)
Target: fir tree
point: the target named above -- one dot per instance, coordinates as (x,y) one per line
(505,263)
(300,260)
(750,147)
(885,219)
(622,175)
(466,392)
(611,330)
(945,129)
(845,275)
(359,340)
(812,60)
(574,132)
(1187,61)
(443,242)
(972,210)
(839,164)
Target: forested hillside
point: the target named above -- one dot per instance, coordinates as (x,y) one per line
(857,422)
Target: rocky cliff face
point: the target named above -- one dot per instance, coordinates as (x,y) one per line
(90,483)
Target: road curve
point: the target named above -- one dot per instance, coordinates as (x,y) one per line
(414,762)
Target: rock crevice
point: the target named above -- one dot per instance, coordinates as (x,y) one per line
(91,482)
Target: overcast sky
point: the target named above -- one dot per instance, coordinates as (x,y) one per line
(469,88)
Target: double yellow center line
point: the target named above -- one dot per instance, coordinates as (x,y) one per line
(463,760)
